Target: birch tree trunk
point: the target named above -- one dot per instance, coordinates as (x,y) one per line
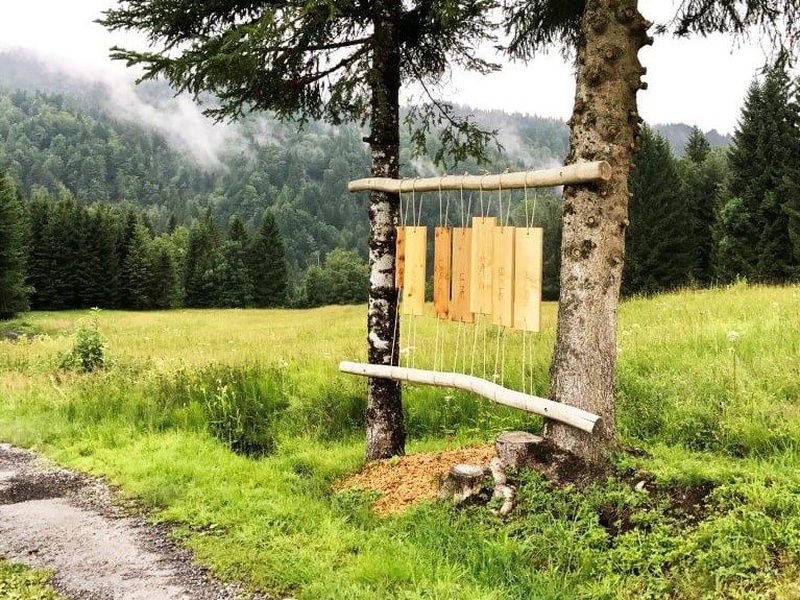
(604,126)
(384,418)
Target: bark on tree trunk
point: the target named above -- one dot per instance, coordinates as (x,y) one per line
(385,427)
(604,126)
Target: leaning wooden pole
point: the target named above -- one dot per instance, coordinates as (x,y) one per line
(564,413)
(567,175)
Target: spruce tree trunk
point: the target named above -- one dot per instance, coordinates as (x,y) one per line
(604,126)
(385,427)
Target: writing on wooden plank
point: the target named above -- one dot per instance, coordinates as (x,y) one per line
(481,265)
(460,280)
(442,242)
(503,277)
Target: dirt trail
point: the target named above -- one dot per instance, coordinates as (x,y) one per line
(56,519)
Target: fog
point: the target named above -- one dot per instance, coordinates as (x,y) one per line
(697,81)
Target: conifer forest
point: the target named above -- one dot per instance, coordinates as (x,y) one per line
(113,215)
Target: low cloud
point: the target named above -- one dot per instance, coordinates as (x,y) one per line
(78,50)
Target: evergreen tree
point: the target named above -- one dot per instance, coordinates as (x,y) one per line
(103,269)
(697,146)
(657,252)
(138,270)
(13,291)
(126,240)
(754,224)
(203,263)
(66,236)
(268,269)
(40,251)
(702,176)
(236,286)
(792,209)
(163,278)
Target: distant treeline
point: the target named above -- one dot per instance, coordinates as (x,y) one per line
(716,216)
(109,256)
(710,217)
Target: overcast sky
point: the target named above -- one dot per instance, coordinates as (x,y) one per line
(698,81)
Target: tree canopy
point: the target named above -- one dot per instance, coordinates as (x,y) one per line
(13,291)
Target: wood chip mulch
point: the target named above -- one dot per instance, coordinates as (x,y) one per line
(412,478)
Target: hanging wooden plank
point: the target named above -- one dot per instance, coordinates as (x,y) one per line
(442,241)
(400,257)
(480,295)
(573,174)
(503,277)
(416,239)
(528,278)
(461,276)
(571,415)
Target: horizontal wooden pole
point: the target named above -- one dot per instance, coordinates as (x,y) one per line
(566,175)
(565,413)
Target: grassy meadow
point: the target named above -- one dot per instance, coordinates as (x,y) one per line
(235,425)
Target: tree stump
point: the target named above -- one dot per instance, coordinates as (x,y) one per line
(463,481)
(513,447)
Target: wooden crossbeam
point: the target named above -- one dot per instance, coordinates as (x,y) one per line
(564,413)
(567,175)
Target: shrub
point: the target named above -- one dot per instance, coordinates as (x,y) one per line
(88,350)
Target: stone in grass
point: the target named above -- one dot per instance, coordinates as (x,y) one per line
(463,481)
(515,447)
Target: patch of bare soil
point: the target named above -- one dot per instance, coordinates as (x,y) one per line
(404,480)
(56,519)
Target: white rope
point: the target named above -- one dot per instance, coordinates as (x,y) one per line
(474,345)
(459,331)
(524,371)
(497,355)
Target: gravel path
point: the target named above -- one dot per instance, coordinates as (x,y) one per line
(56,519)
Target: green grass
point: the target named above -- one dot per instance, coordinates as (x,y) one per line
(709,386)
(20,583)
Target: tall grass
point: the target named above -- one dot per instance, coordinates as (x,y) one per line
(713,370)
(708,385)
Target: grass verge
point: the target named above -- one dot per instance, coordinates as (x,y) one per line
(20,583)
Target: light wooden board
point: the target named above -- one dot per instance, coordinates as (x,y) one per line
(480,295)
(400,258)
(460,279)
(572,415)
(566,175)
(503,277)
(528,279)
(416,239)
(442,241)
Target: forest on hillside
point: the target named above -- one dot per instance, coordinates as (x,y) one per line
(112,205)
